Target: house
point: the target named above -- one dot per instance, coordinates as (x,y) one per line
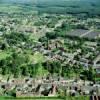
(98,72)
(7,86)
(17,81)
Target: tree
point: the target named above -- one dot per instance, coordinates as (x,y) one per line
(3,46)
(51,35)
(24,70)
(89,74)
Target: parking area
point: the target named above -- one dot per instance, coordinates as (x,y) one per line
(90,34)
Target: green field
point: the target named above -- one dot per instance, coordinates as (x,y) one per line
(46,98)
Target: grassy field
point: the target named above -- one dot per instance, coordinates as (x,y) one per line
(97,79)
(46,98)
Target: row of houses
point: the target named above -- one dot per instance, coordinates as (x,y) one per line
(48,87)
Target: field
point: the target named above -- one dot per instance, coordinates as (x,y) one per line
(47,98)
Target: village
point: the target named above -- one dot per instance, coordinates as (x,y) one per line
(59,50)
(51,86)
(76,51)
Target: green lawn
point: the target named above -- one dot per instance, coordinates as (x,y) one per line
(78,98)
(38,57)
(31,98)
(46,98)
(97,79)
